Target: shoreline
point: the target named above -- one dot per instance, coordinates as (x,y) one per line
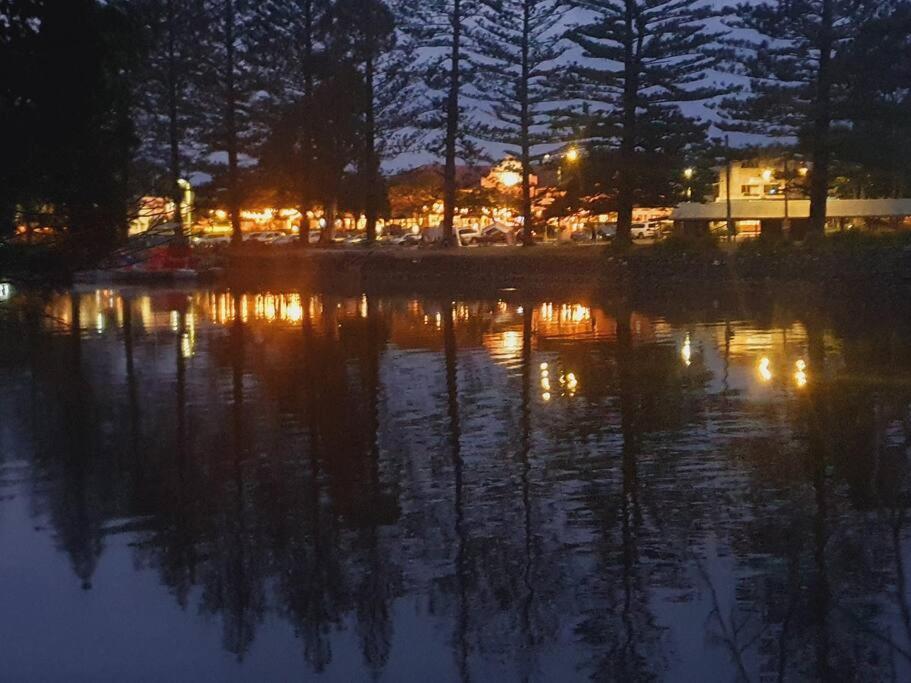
(840,264)
(659,267)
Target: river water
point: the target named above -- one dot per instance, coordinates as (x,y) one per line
(214,485)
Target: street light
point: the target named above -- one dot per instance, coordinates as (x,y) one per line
(572,155)
(688,174)
(510,179)
(185,208)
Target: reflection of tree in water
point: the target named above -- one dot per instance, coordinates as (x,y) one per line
(233,579)
(296,499)
(380,578)
(619,625)
(330,505)
(77,471)
(816,570)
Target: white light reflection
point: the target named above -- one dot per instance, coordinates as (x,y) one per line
(765,371)
(800,376)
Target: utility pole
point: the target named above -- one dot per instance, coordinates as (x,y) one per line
(786,223)
(732,231)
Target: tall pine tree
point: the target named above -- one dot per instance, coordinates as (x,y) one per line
(791,57)
(83,55)
(168,79)
(228,86)
(877,137)
(641,60)
(441,28)
(520,42)
(291,39)
(18,49)
(384,59)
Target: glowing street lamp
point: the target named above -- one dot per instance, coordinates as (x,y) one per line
(186,203)
(510,179)
(572,155)
(688,174)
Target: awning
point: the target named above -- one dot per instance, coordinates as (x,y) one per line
(759,209)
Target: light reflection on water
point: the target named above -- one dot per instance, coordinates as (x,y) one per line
(283,484)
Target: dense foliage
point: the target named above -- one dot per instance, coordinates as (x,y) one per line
(302,102)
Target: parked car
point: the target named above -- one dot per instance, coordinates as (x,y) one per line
(285,240)
(584,235)
(210,240)
(265,237)
(469,236)
(496,234)
(606,231)
(642,231)
(407,240)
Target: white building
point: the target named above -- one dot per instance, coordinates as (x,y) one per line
(771,195)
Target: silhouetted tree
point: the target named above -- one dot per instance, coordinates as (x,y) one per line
(441,28)
(789,52)
(520,42)
(877,68)
(641,59)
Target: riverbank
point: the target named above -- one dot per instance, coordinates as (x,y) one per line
(883,263)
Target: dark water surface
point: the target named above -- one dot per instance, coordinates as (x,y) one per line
(202,485)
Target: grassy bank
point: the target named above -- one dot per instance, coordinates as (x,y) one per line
(843,260)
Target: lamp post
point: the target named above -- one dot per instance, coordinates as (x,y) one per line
(688,174)
(729,218)
(572,157)
(184,209)
(802,172)
(786,222)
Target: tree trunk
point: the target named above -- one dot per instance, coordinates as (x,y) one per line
(306,129)
(330,210)
(819,181)
(173,123)
(528,238)
(626,177)
(372,176)
(452,127)
(231,124)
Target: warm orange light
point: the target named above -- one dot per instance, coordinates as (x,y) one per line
(800,376)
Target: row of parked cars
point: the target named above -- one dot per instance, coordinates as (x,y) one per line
(649,230)
(276,237)
(494,234)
